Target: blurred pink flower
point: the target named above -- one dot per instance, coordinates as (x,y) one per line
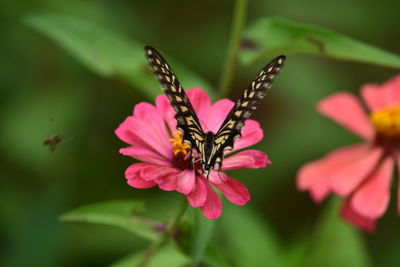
(361,173)
(153,139)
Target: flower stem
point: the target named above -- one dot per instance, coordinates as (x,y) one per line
(163,239)
(239,18)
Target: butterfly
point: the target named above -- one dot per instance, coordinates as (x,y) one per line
(209,145)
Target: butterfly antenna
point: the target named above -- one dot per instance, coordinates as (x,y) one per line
(219,176)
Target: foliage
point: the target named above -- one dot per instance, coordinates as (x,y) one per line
(45,91)
(271,36)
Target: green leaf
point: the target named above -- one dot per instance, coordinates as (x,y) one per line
(108,53)
(194,241)
(167,256)
(214,258)
(273,36)
(194,237)
(249,239)
(336,243)
(294,254)
(201,235)
(116,213)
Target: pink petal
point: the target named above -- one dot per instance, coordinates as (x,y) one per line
(316,176)
(251,134)
(185,181)
(381,96)
(349,214)
(141,134)
(148,173)
(132,174)
(212,208)
(345,180)
(155,121)
(392,88)
(198,196)
(125,134)
(310,177)
(372,198)
(217,114)
(217,177)
(234,191)
(248,159)
(166,111)
(373,97)
(201,103)
(345,109)
(154,173)
(167,183)
(153,137)
(145,155)
(166,178)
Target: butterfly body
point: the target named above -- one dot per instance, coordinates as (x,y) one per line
(209,145)
(207,152)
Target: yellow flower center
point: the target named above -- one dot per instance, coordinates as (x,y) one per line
(387,122)
(178,145)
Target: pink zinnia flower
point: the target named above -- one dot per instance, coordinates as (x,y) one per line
(153,139)
(361,173)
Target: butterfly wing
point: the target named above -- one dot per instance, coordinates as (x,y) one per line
(230,129)
(187,120)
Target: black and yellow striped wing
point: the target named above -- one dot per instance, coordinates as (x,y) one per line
(230,129)
(187,120)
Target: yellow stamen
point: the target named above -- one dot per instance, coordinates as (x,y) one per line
(387,122)
(178,145)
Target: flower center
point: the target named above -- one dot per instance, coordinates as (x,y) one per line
(178,145)
(387,123)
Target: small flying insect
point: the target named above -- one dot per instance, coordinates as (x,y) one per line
(53,141)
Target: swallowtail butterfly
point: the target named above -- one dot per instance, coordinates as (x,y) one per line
(211,146)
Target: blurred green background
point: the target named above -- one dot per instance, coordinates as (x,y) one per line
(46,91)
